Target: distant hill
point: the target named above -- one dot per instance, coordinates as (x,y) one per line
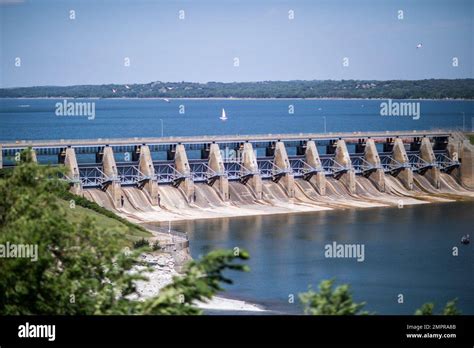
(396,89)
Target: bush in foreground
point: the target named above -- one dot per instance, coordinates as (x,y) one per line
(82,269)
(330,301)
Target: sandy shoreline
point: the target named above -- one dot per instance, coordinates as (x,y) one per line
(227,304)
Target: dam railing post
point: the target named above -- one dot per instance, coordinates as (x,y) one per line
(181,164)
(281,161)
(371,155)
(342,157)
(149,183)
(427,154)
(109,168)
(249,162)
(399,154)
(312,158)
(217,165)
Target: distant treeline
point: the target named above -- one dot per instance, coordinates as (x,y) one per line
(395,89)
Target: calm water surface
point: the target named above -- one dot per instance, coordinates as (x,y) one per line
(117,118)
(407,251)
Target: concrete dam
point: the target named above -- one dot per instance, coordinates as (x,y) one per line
(165,179)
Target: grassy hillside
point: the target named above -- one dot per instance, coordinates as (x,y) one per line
(132,232)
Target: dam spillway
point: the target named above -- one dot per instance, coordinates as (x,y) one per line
(157,179)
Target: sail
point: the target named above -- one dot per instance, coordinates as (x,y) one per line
(223,116)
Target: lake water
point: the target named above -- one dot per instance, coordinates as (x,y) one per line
(407,251)
(26,119)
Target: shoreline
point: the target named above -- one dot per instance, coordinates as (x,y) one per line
(219,303)
(284,208)
(162,274)
(149,224)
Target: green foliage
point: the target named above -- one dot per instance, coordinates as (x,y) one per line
(329,301)
(82,269)
(425,309)
(141,243)
(395,89)
(449,309)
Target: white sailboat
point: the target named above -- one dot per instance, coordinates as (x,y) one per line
(223,116)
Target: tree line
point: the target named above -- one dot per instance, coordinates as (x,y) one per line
(394,89)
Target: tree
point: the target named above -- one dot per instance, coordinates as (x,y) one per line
(449,309)
(329,301)
(80,268)
(425,309)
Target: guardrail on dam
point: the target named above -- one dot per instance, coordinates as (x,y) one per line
(148,163)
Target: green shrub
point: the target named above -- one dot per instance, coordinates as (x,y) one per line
(141,243)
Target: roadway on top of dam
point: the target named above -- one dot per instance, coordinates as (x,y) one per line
(221,138)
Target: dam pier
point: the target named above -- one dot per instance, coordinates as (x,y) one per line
(158,179)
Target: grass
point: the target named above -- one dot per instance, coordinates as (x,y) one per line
(131,231)
(85,203)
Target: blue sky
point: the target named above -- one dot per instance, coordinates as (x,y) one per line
(91,49)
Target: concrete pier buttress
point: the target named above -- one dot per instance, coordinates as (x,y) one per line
(312,158)
(342,157)
(33,156)
(400,155)
(460,149)
(427,154)
(110,170)
(70,162)
(281,160)
(371,155)
(249,162)
(467,165)
(217,165)
(145,165)
(454,149)
(181,164)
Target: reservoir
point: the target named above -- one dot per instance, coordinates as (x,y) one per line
(30,119)
(408,251)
